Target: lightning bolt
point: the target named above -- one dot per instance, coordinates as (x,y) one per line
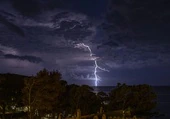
(97,78)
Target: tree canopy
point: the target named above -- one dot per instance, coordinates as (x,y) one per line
(140,99)
(10,91)
(41,92)
(46,93)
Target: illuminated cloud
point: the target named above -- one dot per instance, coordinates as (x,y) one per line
(8,50)
(32,59)
(50,37)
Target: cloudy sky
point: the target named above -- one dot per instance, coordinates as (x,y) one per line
(127,37)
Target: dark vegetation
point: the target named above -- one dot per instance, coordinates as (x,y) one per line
(46,93)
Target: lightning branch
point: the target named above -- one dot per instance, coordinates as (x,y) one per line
(97,78)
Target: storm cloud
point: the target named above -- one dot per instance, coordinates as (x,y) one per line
(131,39)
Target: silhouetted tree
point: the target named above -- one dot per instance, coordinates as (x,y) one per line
(144,99)
(119,97)
(103,98)
(61,103)
(83,97)
(139,98)
(42,92)
(71,91)
(10,91)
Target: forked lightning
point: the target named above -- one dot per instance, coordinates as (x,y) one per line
(97,78)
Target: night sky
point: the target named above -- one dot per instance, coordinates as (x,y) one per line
(131,39)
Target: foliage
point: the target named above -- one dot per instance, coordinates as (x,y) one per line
(103,98)
(83,97)
(46,93)
(10,92)
(41,92)
(138,98)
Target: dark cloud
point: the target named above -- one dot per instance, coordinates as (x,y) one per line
(27,7)
(32,59)
(6,13)
(11,25)
(109,43)
(140,19)
(74,30)
(93,8)
(129,44)
(59,16)
(31,8)
(1,53)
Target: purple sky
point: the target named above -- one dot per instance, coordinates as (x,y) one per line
(37,34)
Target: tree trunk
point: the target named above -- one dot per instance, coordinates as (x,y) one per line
(29,103)
(30,113)
(3,110)
(53,115)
